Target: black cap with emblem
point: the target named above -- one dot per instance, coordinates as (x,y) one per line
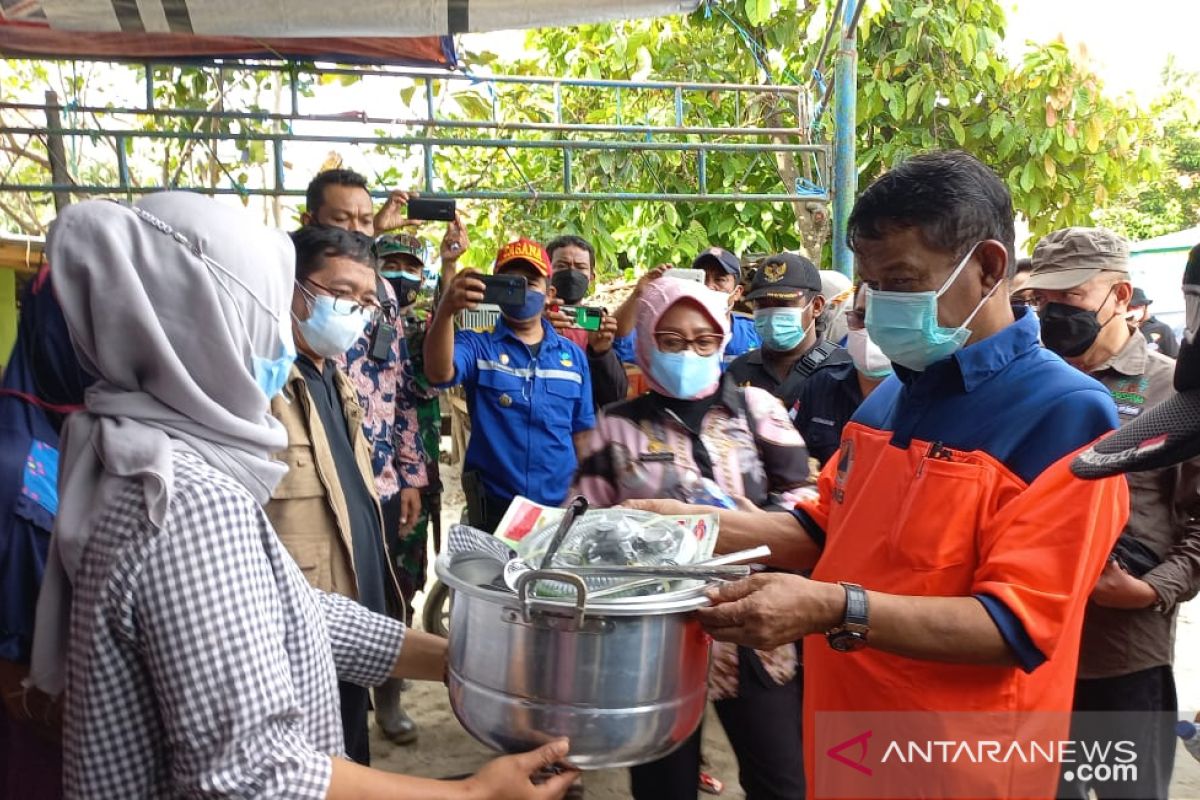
(784,276)
(1169,432)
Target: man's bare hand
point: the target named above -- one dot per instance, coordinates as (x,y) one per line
(773,609)
(410,510)
(391,217)
(744,503)
(455,242)
(465,291)
(558,318)
(512,777)
(670,508)
(601,341)
(652,275)
(1116,588)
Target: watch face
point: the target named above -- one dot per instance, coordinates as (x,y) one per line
(847,642)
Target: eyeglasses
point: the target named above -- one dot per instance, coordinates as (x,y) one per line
(344,304)
(705,344)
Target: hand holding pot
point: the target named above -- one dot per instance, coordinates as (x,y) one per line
(769,610)
(512,777)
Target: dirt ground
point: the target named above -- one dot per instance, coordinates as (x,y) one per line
(445,749)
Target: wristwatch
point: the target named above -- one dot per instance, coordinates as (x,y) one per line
(851,635)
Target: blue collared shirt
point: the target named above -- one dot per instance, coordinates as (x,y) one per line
(524,411)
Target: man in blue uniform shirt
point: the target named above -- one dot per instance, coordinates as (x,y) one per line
(529,392)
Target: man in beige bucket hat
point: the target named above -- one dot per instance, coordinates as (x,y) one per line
(1081,286)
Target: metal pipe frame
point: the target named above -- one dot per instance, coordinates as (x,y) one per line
(471,194)
(538,144)
(415,73)
(414,122)
(675,104)
(845,169)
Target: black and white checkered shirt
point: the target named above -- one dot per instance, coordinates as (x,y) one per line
(201,663)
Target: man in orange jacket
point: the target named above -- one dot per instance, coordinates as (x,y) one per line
(952,551)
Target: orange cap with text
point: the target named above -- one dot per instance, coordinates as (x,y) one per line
(524,250)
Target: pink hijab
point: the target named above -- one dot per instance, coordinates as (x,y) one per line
(657,298)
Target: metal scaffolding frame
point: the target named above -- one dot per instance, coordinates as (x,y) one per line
(674,127)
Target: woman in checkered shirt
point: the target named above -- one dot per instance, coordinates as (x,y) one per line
(195,658)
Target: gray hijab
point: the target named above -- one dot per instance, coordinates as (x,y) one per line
(168,305)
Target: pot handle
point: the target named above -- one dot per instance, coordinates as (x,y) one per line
(527,579)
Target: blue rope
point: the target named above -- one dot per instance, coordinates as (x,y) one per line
(753,46)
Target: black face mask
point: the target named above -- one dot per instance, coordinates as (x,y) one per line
(1070,331)
(407,287)
(570,286)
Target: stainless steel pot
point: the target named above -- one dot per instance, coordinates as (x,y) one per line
(626,679)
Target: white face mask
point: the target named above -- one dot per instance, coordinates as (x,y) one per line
(868,358)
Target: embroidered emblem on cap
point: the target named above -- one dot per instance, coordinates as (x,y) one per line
(774,272)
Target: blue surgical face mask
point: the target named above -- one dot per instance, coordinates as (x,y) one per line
(272,375)
(781,329)
(327,332)
(532,307)
(685,375)
(905,324)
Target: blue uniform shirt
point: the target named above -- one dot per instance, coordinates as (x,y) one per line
(744,338)
(524,411)
(625,348)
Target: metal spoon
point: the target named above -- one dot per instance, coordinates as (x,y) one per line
(696,571)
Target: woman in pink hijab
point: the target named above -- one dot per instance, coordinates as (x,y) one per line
(698,438)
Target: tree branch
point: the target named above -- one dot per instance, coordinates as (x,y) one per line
(28,225)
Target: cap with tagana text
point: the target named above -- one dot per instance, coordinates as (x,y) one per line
(1169,432)
(1071,257)
(720,257)
(525,250)
(784,276)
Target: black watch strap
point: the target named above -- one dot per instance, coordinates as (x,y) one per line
(857,610)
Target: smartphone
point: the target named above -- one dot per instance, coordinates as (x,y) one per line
(431,208)
(381,340)
(503,289)
(587,318)
(696,275)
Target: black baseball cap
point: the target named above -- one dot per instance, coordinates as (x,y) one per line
(1139,299)
(722,258)
(783,277)
(1168,433)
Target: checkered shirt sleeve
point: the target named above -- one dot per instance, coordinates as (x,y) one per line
(365,644)
(201,662)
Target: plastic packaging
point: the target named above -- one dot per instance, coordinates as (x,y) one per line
(618,537)
(1190,734)
(705,492)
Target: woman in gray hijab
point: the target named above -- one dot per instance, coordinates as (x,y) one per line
(195,658)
